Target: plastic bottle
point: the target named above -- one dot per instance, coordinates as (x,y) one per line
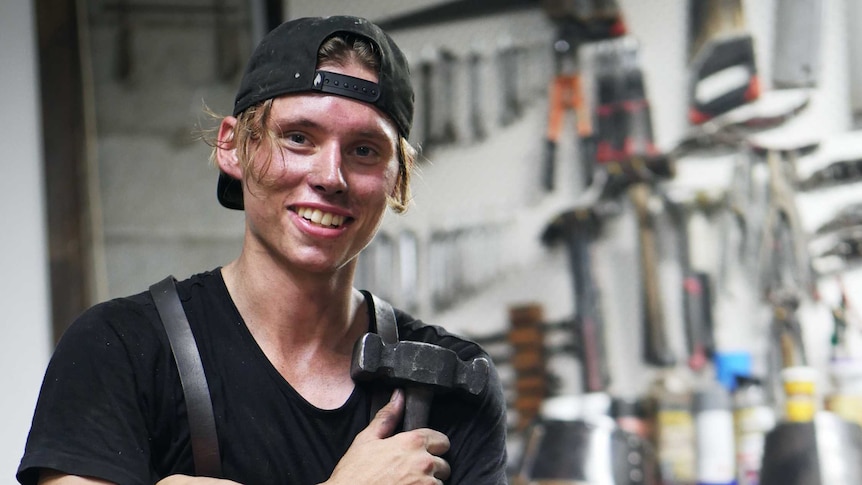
(800,404)
(714,431)
(845,400)
(753,419)
(673,428)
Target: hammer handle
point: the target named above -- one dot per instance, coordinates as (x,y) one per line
(657,350)
(417,405)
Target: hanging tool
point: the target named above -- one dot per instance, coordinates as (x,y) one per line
(478,128)
(721,59)
(512,106)
(839,172)
(846,218)
(783,253)
(623,111)
(843,252)
(626,153)
(578,23)
(657,348)
(696,282)
(638,136)
(436,73)
(579,228)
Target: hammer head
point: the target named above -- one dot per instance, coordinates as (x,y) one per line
(407,363)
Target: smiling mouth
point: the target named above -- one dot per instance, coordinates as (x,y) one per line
(317,216)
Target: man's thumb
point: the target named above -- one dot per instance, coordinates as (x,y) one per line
(386,420)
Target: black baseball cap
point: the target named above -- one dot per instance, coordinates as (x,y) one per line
(285,62)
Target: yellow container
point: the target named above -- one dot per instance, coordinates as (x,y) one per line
(845,400)
(800,393)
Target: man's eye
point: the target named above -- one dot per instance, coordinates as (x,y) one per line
(364,151)
(296,138)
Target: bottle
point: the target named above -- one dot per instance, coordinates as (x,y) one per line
(793,451)
(800,403)
(845,400)
(753,419)
(713,417)
(673,428)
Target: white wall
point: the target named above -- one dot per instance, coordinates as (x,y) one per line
(25,328)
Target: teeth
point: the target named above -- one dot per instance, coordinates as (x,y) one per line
(316,216)
(326,219)
(319,217)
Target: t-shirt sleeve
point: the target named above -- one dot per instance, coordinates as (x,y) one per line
(91,417)
(478,455)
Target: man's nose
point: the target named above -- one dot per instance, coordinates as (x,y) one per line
(326,174)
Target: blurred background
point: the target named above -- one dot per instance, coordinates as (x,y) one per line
(572,151)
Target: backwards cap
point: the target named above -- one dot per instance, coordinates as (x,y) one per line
(285,62)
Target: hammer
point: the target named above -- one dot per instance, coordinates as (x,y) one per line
(422,369)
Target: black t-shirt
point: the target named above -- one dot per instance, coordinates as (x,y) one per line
(112,405)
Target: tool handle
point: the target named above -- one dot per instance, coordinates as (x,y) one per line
(589,327)
(657,350)
(548,167)
(417,406)
(698,321)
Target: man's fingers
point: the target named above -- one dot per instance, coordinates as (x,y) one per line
(442,469)
(379,455)
(386,420)
(436,442)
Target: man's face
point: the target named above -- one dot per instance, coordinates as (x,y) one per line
(323,196)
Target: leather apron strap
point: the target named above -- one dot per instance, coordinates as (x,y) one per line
(202,430)
(387,328)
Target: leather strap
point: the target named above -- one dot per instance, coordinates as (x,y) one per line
(384,317)
(202,429)
(387,328)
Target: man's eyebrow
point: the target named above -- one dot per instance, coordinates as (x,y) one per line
(378,134)
(302,122)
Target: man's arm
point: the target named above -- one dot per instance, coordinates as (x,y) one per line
(54,477)
(90,420)
(376,456)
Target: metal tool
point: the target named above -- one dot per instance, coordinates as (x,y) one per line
(423,369)
(722,62)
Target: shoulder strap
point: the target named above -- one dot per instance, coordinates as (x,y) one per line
(387,328)
(204,439)
(384,316)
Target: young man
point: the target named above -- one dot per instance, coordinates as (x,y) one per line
(314,166)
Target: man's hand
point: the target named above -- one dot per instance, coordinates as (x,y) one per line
(378,457)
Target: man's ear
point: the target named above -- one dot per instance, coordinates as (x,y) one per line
(226,156)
